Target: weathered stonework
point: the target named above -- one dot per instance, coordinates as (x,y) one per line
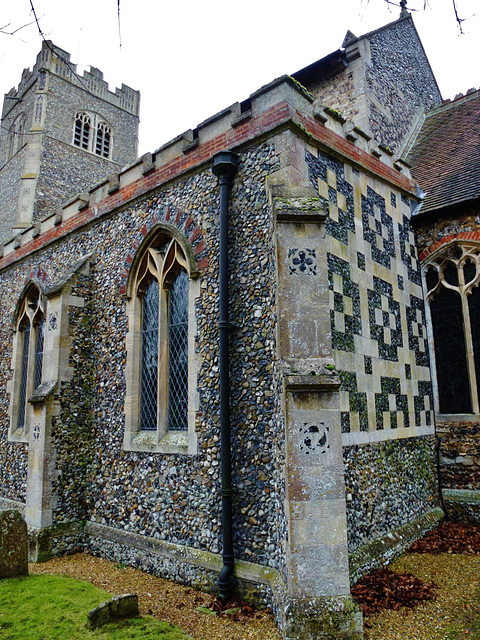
(48,169)
(331,400)
(13,545)
(118,608)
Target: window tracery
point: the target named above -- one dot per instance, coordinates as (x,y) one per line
(28,357)
(92,134)
(159,349)
(17,135)
(453,294)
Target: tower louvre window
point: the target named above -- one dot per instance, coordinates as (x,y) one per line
(93,134)
(102,146)
(81,136)
(17,135)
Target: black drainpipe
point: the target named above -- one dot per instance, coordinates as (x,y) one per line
(225,165)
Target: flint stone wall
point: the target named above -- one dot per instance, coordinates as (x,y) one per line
(401,79)
(173,497)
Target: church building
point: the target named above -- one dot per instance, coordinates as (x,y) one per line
(248,360)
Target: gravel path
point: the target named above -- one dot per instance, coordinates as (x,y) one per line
(458,580)
(165,600)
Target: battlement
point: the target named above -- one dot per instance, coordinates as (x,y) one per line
(283,103)
(57,61)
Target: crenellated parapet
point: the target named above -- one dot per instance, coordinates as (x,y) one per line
(58,61)
(282,104)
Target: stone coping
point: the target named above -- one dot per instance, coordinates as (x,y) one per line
(6,504)
(467,496)
(244,570)
(387,547)
(281,103)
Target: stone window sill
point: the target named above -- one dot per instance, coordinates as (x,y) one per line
(171,442)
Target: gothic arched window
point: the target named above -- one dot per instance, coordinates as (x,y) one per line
(27,357)
(92,133)
(159,344)
(81,133)
(452,280)
(102,143)
(17,135)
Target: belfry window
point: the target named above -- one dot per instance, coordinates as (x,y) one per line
(81,135)
(453,293)
(159,357)
(92,134)
(28,358)
(102,144)
(17,135)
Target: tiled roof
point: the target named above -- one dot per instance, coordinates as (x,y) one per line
(446,156)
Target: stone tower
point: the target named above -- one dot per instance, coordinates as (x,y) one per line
(61,133)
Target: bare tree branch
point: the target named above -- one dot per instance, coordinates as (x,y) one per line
(11,33)
(457,17)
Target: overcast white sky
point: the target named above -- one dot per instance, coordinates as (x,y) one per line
(192,58)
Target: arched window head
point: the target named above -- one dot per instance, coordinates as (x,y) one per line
(162,286)
(161,328)
(452,278)
(28,356)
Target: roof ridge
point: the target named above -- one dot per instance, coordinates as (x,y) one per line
(460,98)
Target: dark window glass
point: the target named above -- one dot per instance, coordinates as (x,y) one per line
(39,354)
(178,354)
(81,132)
(469,271)
(474,309)
(450,353)
(23,380)
(149,364)
(451,274)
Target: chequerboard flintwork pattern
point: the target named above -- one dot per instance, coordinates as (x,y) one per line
(376,305)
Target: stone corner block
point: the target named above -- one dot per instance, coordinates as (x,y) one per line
(123,606)
(13,544)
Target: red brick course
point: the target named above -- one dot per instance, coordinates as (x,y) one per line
(272,118)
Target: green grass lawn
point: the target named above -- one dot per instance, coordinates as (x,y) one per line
(46,607)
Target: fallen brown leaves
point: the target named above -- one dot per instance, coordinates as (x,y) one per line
(385,589)
(450,537)
(235,609)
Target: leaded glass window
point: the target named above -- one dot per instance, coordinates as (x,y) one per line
(149,387)
(450,353)
(163,288)
(178,353)
(39,353)
(23,379)
(452,279)
(29,346)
